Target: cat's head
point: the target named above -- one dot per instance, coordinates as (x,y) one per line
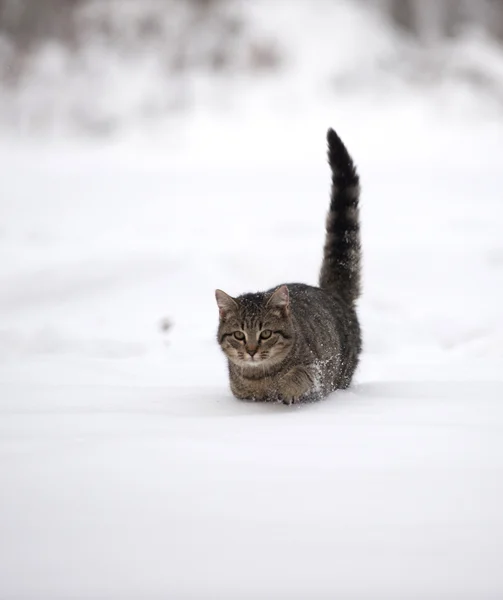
(255,330)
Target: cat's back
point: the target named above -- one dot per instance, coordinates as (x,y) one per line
(307,301)
(324,315)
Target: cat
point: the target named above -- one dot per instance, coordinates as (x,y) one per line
(298,342)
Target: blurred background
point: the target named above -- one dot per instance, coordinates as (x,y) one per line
(102,67)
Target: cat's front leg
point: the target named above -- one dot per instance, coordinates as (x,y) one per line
(240,391)
(295,384)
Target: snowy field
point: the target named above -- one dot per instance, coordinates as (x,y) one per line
(127,470)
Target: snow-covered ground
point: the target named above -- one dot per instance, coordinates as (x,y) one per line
(127,470)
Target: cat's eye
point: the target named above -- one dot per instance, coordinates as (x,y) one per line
(239,335)
(266,334)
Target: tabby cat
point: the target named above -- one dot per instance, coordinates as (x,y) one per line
(298,342)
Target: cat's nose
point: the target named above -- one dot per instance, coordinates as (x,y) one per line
(252,350)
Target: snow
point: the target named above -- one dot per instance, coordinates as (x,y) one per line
(341,55)
(128,470)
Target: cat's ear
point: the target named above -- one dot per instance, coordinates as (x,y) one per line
(280,300)
(225,303)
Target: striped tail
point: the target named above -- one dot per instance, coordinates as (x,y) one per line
(340,270)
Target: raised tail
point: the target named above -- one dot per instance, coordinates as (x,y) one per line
(340,270)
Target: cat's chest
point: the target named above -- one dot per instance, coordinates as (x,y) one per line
(259,387)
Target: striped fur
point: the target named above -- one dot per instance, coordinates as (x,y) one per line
(297,342)
(340,270)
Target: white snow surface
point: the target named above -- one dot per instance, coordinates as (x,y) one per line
(127,469)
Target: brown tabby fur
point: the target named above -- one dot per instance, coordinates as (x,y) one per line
(298,342)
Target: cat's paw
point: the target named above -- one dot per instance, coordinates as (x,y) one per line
(290,400)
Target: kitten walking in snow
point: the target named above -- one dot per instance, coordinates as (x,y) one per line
(298,342)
